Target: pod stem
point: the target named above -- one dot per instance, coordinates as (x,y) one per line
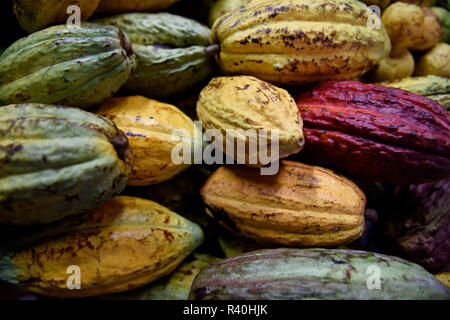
(212,49)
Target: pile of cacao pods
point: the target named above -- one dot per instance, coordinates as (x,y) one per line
(127,160)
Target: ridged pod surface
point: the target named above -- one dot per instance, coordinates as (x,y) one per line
(236,104)
(419,224)
(300,41)
(58,161)
(34,15)
(433,87)
(170,52)
(150,126)
(375,133)
(123,244)
(300,206)
(79,67)
(320,274)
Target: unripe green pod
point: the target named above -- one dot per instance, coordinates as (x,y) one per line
(58,161)
(72,66)
(170,52)
(316,274)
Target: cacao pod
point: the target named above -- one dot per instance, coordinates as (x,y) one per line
(78,67)
(393,67)
(300,41)
(170,52)
(57,161)
(149,126)
(123,244)
(236,104)
(435,61)
(375,133)
(34,15)
(174,287)
(297,274)
(300,206)
(433,87)
(420,223)
(119,6)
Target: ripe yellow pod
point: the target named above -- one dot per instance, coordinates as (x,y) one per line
(236,104)
(149,126)
(122,244)
(393,67)
(301,206)
(300,41)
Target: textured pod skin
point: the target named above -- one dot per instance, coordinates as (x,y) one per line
(420,222)
(78,67)
(247,103)
(301,206)
(433,87)
(170,52)
(123,244)
(319,274)
(376,133)
(175,287)
(119,6)
(282,41)
(57,161)
(149,126)
(34,15)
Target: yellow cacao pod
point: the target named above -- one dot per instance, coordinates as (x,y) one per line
(123,244)
(149,126)
(300,206)
(301,41)
(435,61)
(34,15)
(236,104)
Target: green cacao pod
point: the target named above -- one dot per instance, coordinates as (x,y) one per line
(78,67)
(433,87)
(123,244)
(316,274)
(57,161)
(170,52)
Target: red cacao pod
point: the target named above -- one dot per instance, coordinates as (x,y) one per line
(375,133)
